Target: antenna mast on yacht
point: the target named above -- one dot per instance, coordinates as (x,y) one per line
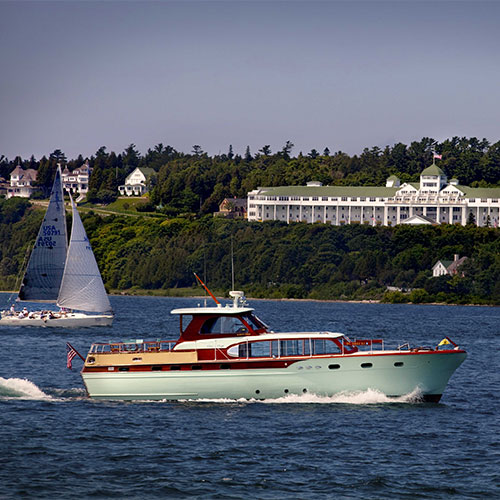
(232,264)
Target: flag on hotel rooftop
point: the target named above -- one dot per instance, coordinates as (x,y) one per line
(439,157)
(71,354)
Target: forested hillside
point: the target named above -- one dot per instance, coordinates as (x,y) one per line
(196,183)
(274,259)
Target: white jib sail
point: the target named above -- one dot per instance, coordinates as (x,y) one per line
(46,265)
(82,287)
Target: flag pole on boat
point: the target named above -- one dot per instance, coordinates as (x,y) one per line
(71,353)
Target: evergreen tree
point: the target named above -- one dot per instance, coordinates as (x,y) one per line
(197,151)
(248,155)
(265,150)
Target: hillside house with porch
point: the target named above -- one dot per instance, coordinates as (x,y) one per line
(136,183)
(22,182)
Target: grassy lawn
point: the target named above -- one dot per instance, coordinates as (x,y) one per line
(123,206)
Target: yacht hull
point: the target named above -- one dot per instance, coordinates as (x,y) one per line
(393,374)
(70,320)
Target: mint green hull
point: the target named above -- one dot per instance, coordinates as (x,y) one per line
(429,373)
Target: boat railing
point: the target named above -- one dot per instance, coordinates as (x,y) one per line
(406,345)
(363,343)
(132,346)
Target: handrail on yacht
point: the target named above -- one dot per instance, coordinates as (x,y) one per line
(132,346)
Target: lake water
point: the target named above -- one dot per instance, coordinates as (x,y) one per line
(56,443)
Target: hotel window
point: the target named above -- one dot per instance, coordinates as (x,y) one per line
(305,199)
(372,199)
(324,198)
(344,198)
(484,200)
(354,199)
(334,199)
(314,198)
(362,198)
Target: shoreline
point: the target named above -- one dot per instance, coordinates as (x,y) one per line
(338,301)
(333,301)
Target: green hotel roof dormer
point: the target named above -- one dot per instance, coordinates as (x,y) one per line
(432,170)
(432,179)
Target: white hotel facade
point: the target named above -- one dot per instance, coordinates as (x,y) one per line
(431,201)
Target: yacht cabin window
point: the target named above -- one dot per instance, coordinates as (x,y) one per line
(283,348)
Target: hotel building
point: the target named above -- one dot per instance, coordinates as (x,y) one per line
(433,200)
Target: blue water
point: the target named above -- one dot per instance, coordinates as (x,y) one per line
(56,443)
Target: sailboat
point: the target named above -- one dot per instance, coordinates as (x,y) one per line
(62,274)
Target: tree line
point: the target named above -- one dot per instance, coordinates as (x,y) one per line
(273,259)
(195,183)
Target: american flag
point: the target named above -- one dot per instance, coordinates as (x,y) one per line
(71,354)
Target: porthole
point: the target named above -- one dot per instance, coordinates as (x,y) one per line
(333,367)
(304,390)
(156,368)
(366,365)
(257,391)
(175,367)
(225,366)
(398,363)
(123,369)
(196,367)
(286,391)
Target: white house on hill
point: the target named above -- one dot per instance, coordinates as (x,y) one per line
(78,180)
(21,182)
(431,201)
(136,182)
(443,267)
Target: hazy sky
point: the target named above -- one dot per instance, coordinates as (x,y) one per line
(78,75)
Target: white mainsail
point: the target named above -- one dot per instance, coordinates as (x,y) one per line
(82,287)
(45,269)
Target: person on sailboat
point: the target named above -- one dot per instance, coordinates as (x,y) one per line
(13,310)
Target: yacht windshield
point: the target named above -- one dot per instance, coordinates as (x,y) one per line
(223,324)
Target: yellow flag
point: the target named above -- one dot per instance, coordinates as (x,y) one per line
(444,342)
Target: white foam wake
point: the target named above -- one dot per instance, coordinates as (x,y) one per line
(370,396)
(20,388)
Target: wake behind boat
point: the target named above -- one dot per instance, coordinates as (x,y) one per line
(67,276)
(227,352)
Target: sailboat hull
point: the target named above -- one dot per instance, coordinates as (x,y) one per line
(69,320)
